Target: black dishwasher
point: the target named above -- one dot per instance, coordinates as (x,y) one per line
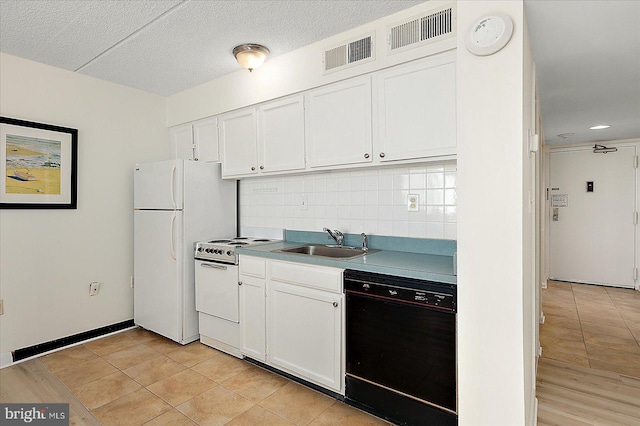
(401,348)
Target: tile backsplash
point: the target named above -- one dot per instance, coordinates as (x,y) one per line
(365,200)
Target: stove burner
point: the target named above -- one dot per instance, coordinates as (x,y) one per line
(241,238)
(237,243)
(219,241)
(261,241)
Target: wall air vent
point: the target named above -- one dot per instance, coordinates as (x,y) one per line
(436,25)
(349,53)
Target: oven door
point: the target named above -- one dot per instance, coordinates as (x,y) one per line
(217,290)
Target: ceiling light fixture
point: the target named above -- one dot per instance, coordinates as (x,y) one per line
(565,135)
(250,56)
(599,127)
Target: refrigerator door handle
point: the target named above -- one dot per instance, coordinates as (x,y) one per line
(172,248)
(173,198)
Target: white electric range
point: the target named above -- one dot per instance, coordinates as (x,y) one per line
(218,293)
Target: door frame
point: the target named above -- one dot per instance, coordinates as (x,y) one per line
(546,205)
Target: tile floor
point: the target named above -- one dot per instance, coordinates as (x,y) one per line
(136,377)
(592,326)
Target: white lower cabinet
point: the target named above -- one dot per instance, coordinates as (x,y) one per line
(293,319)
(252,317)
(252,307)
(304,333)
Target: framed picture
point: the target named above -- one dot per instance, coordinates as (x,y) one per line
(39,164)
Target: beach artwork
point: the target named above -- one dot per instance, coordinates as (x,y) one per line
(32,165)
(38,165)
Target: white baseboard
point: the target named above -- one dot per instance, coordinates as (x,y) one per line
(544,284)
(534,413)
(542,317)
(6,359)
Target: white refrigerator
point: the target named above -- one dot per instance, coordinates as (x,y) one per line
(176,203)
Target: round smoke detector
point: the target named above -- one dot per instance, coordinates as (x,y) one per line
(489,34)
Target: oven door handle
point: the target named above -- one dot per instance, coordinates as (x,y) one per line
(211,265)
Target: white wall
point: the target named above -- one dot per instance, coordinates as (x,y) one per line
(494,387)
(49,257)
(365,200)
(530,261)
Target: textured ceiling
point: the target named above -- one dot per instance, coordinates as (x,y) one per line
(165,47)
(587,53)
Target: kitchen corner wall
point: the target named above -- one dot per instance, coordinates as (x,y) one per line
(363,200)
(49,257)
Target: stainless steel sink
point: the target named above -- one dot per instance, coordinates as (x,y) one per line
(334,252)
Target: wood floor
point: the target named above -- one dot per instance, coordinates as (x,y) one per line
(589,372)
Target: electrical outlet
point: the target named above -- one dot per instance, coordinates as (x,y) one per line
(413,202)
(94,288)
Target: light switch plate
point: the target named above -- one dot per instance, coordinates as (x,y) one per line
(413,202)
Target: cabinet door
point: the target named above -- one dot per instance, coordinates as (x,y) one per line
(252,317)
(238,138)
(338,123)
(417,110)
(205,138)
(304,333)
(182,145)
(281,135)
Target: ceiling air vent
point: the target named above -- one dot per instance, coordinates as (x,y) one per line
(424,29)
(349,53)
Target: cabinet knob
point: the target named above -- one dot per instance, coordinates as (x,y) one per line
(239,282)
(195,159)
(366,156)
(261,167)
(382,155)
(253,168)
(335,304)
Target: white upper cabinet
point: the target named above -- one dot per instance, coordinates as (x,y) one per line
(338,122)
(416,110)
(281,135)
(205,138)
(238,139)
(402,114)
(197,141)
(264,139)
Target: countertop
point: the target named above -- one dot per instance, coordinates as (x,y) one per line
(430,267)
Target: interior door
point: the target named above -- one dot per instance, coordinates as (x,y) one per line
(592,232)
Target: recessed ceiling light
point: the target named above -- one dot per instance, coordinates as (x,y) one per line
(600,127)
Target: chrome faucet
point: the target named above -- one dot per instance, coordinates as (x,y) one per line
(337,236)
(364,242)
